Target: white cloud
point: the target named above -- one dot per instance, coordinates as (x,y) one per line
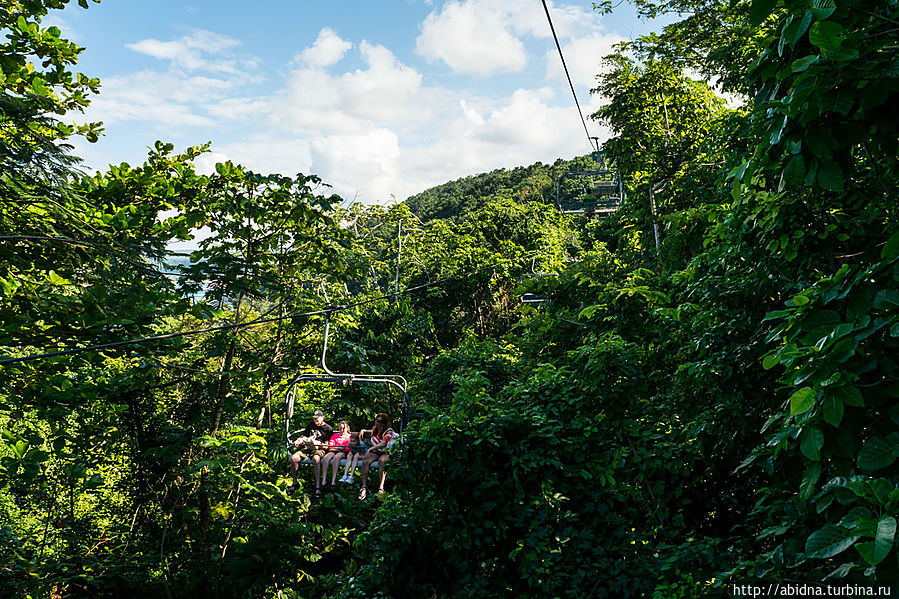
(196,90)
(568,20)
(483,37)
(472,37)
(167,99)
(385,92)
(372,158)
(327,50)
(264,154)
(583,55)
(382,128)
(235,109)
(189,52)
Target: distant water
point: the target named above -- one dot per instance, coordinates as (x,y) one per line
(172,264)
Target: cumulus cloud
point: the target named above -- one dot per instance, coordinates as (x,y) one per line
(380,129)
(385,91)
(164,98)
(263,154)
(196,87)
(472,37)
(583,55)
(190,52)
(484,37)
(327,50)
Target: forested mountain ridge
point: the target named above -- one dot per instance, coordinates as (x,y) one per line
(522,184)
(670,422)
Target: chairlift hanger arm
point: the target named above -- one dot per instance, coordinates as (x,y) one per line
(391,379)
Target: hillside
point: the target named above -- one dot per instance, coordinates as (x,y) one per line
(521,184)
(689,418)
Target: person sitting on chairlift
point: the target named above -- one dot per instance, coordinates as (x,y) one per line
(357,449)
(318,432)
(337,450)
(382,437)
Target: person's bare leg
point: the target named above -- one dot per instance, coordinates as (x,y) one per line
(336,461)
(324,467)
(366,464)
(295,460)
(316,469)
(382,470)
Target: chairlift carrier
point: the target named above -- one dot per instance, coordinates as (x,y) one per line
(603,194)
(534,298)
(328,376)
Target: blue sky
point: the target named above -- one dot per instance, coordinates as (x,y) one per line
(380,99)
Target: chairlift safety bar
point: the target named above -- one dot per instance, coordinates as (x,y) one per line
(328,376)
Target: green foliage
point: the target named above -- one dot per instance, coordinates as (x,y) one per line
(36,87)
(666,422)
(534,183)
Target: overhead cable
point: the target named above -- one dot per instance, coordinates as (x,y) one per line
(570,84)
(252,323)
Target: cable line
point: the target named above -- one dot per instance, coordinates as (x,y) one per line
(326,310)
(570,84)
(78,350)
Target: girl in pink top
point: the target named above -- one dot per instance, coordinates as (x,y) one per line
(337,450)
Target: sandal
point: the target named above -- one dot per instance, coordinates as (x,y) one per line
(318,493)
(363,493)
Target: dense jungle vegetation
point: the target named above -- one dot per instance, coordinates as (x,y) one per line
(668,422)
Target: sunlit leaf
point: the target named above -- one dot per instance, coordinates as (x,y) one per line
(802,400)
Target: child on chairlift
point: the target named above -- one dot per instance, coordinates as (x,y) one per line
(358,447)
(337,450)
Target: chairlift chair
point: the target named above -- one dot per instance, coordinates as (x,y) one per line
(533,298)
(326,375)
(602,195)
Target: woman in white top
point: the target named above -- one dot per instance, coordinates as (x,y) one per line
(382,437)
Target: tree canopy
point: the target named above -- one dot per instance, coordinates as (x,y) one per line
(669,422)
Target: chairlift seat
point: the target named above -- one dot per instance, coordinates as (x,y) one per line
(309,462)
(593,204)
(604,188)
(603,192)
(532,298)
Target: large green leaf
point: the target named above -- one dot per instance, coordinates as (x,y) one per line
(849,394)
(829,541)
(821,9)
(801,64)
(827,35)
(821,321)
(794,32)
(881,487)
(886,299)
(833,409)
(879,452)
(891,249)
(830,175)
(876,551)
(810,476)
(794,171)
(760,10)
(802,400)
(811,440)
(770,361)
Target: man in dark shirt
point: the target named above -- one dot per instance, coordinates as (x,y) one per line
(320,432)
